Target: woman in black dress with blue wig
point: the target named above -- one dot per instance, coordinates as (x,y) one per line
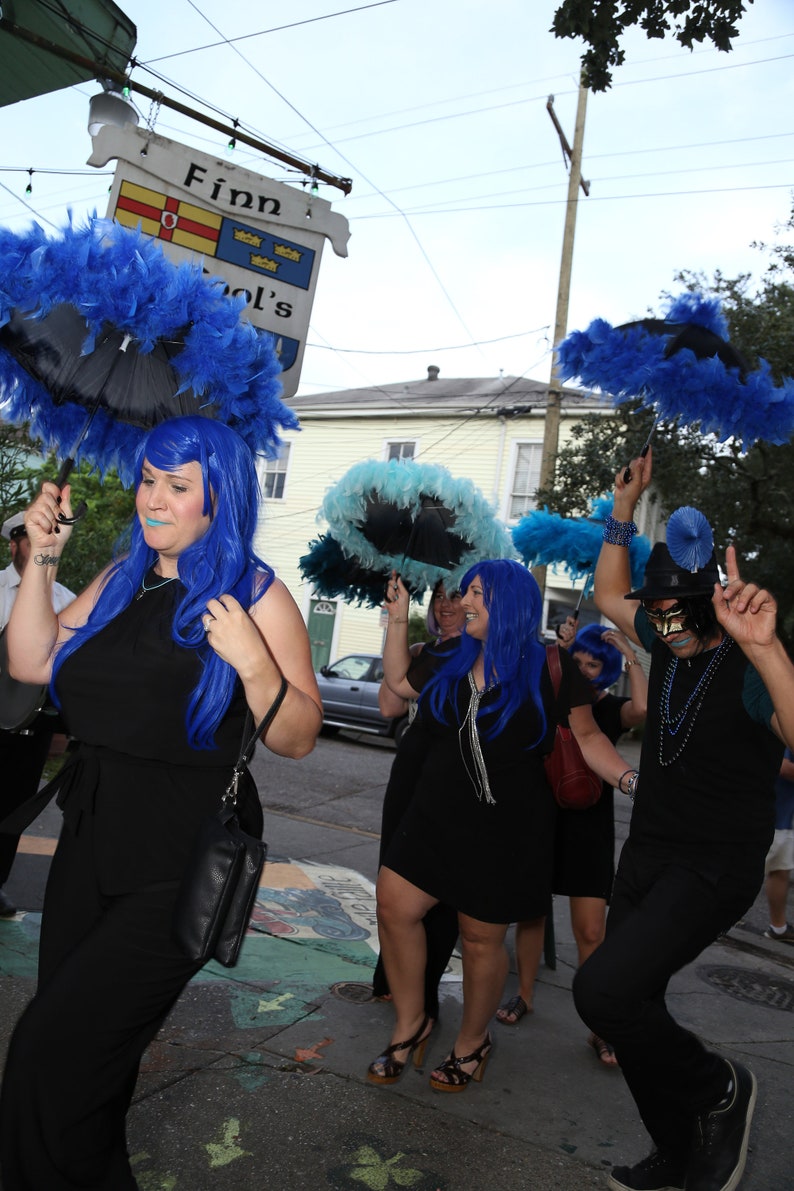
(154,666)
(478,835)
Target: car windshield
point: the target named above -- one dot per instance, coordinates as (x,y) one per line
(352,667)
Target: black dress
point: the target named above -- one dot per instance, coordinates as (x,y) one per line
(491,860)
(133,797)
(584,843)
(441,921)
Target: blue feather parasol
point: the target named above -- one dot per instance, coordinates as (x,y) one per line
(547,539)
(689,538)
(414,518)
(684,368)
(97,317)
(335,576)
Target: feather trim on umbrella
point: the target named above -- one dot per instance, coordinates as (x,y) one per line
(547,539)
(118,277)
(683,368)
(414,518)
(335,576)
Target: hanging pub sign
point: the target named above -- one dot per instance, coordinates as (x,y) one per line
(263,238)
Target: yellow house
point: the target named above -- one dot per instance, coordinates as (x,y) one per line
(489,430)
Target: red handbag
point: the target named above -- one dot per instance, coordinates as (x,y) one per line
(574,786)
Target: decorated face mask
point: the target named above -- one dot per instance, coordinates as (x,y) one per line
(668,620)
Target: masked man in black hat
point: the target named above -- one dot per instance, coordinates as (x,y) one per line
(720,704)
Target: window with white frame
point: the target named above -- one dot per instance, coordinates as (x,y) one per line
(275,475)
(400,450)
(525,480)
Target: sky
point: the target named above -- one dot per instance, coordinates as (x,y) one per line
(437,111)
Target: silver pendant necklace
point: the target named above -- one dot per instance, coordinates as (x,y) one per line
(154,586)
(479,779)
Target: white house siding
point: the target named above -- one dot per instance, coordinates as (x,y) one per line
(339,430)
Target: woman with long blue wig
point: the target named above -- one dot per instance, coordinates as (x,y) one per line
(584,840)
(479,832)
(160,668)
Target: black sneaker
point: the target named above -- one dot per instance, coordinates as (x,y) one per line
(719,1146)
(657,1172)
(7,907)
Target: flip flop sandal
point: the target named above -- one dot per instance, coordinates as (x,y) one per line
(604,1051)
(515,1008)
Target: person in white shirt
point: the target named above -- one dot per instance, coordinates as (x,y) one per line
(23,753)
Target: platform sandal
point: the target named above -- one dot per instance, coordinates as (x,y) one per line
(450,1076)
(386,1069)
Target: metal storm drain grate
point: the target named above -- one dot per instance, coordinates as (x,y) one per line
(351,990)
(758,989)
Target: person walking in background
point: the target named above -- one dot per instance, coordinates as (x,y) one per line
(409,669)
(478,834)
(780,858)
(201,631)
(720,701)
(23,751)
(584,840)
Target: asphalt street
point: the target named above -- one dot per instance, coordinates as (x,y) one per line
(257,1081)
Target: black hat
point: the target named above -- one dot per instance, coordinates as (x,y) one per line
(665,580)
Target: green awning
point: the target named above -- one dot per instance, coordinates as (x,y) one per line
(92,29)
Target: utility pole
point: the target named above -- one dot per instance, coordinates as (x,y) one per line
(551,427)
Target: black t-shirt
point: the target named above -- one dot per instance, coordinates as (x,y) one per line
(709,758)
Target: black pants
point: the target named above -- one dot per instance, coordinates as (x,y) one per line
(661,917)
(108,975)
(22,758)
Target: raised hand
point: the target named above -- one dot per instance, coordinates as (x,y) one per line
(747,612)
(45,534)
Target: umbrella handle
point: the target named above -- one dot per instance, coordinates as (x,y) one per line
(60,480)
(643,453)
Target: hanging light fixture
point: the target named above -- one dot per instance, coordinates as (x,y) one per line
(110,106)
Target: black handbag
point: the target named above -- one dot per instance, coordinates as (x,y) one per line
(221,879)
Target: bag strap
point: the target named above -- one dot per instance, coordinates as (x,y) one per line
(249,742)
(555,669)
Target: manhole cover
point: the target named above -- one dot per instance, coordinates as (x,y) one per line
(754,987)
(351,990)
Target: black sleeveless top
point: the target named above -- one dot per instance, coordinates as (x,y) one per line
(135,780)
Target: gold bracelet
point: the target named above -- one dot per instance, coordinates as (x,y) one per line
(632,662)
(395,620)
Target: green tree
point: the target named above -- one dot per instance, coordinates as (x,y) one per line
(747,498)
(101,533)
(602,23)
(15,453)
(109,506)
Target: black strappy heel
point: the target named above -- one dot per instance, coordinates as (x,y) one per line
(386,1069)
(450,1076)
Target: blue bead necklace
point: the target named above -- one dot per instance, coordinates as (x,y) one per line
(669,724)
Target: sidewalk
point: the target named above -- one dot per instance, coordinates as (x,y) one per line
(257,1081)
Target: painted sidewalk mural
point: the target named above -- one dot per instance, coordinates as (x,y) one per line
(329,911)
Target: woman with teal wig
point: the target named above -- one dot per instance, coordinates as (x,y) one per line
(155,666)
(478,834)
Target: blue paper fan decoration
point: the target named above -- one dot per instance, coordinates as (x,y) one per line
(684,368)
(102,337)
(548,539)
(414,518)
(689,538)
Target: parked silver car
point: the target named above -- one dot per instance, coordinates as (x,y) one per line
(349,690)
